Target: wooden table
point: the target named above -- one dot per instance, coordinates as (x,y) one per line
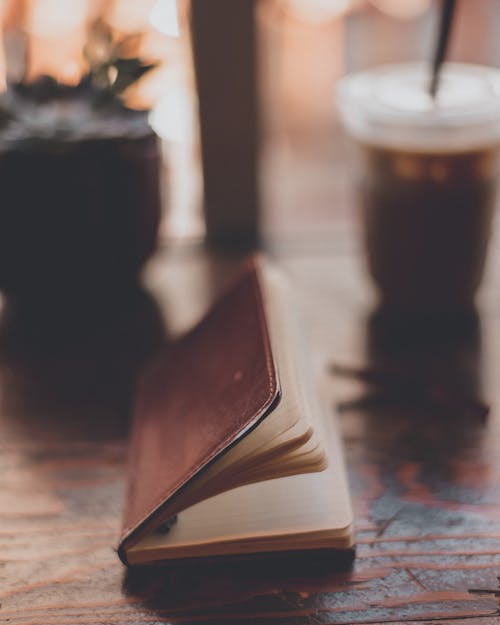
(424,468)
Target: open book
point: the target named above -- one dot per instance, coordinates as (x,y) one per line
(231,451)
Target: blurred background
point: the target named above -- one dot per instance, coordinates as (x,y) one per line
(307,46)
(304,46)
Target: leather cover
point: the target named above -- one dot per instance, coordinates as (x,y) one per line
(199,398)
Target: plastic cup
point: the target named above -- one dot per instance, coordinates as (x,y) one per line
(427,179)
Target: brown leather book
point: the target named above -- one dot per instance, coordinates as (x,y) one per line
(231,451)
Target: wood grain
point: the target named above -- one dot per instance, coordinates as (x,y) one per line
(424,481)
(425,478)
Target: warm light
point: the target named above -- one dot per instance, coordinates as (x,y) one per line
(148,90)
(53,18)
(404,10)
(130,15)
(165,17)
(60,58)
(57,37)
(70,73)
(172,118)
(318,11)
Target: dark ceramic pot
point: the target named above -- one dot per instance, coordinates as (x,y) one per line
(78,216)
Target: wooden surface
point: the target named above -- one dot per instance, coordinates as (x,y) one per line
(424,468)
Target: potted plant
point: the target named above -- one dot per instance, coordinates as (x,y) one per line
(79,178)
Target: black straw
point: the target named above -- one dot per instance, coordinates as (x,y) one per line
(447,9)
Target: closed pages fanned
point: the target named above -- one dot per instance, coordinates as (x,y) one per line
(229,439)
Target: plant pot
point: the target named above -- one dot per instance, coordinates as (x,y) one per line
(78,215)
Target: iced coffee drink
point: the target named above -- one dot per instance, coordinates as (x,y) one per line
(427,180)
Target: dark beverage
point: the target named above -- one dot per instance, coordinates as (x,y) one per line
(427,220)
(427,180)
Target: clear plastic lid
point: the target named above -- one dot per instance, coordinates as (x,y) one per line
(391,106)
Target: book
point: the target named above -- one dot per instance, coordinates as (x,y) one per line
(231,450)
